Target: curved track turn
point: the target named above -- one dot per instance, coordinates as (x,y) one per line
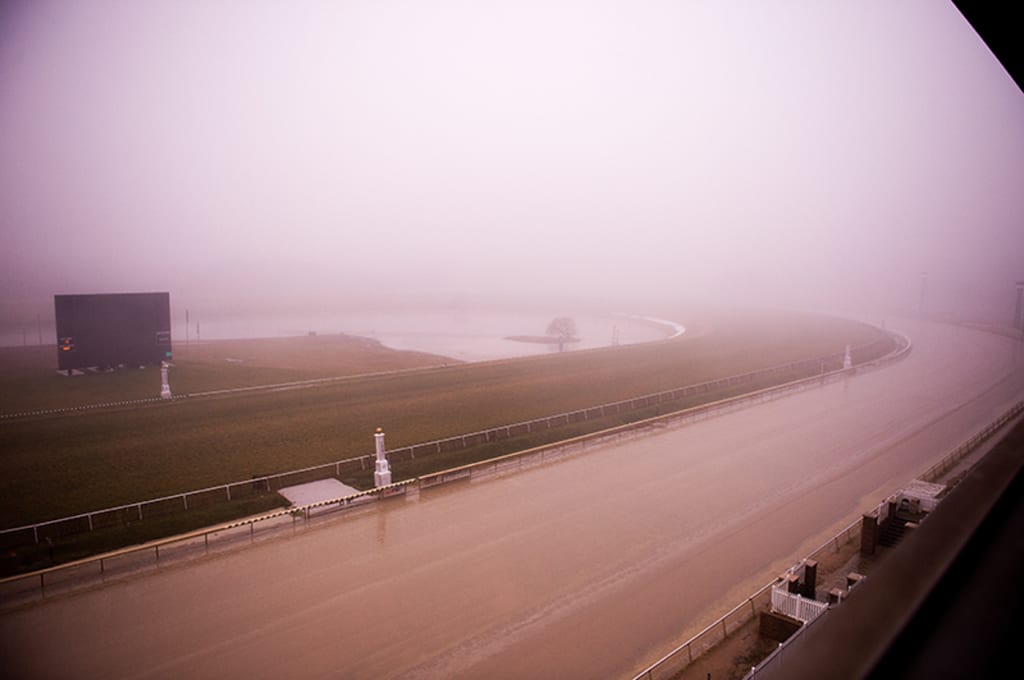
(590,567)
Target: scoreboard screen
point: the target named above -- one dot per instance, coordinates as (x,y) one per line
(110,330)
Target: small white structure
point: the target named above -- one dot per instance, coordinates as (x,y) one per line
(847,359)
(796,606)
(382,473)
(165,387)
(919,495)
(317,492)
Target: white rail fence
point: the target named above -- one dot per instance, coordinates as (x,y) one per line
(776,656)
(158,507)
(682,656)
(795,605)
(41,583)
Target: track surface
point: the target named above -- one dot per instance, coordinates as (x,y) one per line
(591,567)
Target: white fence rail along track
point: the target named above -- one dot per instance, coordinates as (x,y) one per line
(794,605)
(157,507)
(683,655)
(85,571)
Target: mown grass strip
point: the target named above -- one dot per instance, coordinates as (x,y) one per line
(48,553)
(65,465)
(26,558)
(63,549)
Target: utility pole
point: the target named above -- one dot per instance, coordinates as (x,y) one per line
(924,286)
(1018,319)
(1018,322)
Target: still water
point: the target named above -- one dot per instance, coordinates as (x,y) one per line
(463,335)
(467,336)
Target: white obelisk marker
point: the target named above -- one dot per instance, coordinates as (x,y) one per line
(165,387)
(382,474)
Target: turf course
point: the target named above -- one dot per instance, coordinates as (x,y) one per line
(54,466)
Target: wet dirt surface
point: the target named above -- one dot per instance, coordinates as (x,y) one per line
(591,567)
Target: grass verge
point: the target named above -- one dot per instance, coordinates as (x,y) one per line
(28,558)
(61,465)
(63,549)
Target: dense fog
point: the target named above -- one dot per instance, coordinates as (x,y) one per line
(251,157)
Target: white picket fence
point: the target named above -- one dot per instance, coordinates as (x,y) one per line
(794,605)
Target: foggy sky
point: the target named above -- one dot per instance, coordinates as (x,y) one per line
(322,154)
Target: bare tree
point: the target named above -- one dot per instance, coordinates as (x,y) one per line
(564,329)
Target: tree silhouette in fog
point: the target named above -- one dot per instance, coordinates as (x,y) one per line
(564,329)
